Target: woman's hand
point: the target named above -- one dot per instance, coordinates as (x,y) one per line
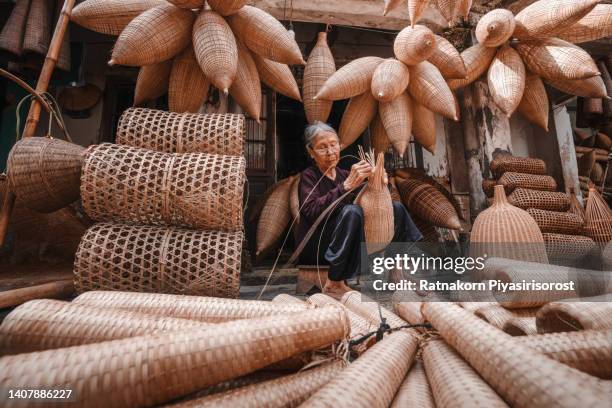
(359,173)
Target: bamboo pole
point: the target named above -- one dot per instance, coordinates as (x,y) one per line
(34,114)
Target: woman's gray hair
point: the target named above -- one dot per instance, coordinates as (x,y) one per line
(313,130)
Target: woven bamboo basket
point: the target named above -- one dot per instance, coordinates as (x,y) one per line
(246,88)
(110,16)
(520,326)
(544,200)
(495,28)
(463,8)
(277,76)
(428,203)
(453,382)
(556,222)
(381,368)
(225,7)
(409,311)
(506,78)
(265,35)
(594,26)
(287,391)
(473,306)
(368,309)
(215,49)
(11,36)
(547,19)
(355,78)
(586,163)
(556,59)
(275,217)
(390,79)
(598,219)
(284,298)
(498,316)
(575,207)
(597,173)
(603,141)
(378,136)
(488,186)
(199,308)
(589,351)
(37,35)
(294,199)
(416,8)
(159,259)
(215,133)
(415,390)
(195,190)
(246,380)
(447,59)
(448,9)
(319,68)
(477,60)
(357,116)
(503,363)
(359,325)
(534,104)
(511,180)
(44,173)
(396,118)
(249,345)
(166,31)
(152,82)
(527,165)
(574,316)
(428,87)
(593,87)
(187,87)
(424,126)
(414,44)
(188,4)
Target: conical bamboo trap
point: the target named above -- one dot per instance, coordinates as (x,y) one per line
(447,59)
(545,200)
(598,219)
(390,79)
(593,87)
(294,199)
(556,222)
(11,37)
(353,79)
(534,104)
(275,216)
(110,16)
(396,118)
(152,82)
(414,44)
(415,390)
(246,89)
(424,126)
(428,87)
(506,78)
(357,116)
(319,67)
(495,28)
(378,137)
(449,9)
(277,76)
(37,35)
(595,25)
(187,86)
(580,314)
(549,18)
(428,203)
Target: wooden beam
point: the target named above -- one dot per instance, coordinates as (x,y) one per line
(565,138)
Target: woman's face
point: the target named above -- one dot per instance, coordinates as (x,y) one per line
(325,150)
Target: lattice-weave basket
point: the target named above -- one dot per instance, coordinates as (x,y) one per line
(504,163)
(159,259)
(545,200)
(569,248)
(170,132)
(44,173)
(556,222)
(511,180)
(429,203)
(194,190)
(598,219)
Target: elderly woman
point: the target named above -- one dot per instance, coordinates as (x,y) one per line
(337,242)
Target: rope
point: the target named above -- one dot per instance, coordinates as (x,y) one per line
(385,328)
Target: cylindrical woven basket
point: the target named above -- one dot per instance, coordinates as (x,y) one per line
(162,371)
(574,316)
(381,368)
(275,217)
(495,28)
(477,60)
(37,35)
(598,219)
(428,87)
(589,351)
(45,173)
(415,390)
(351,80)
(425,201)
(246,380)
(187,86)
(389,80)
(152,82)
(511,180)
(541,20)
(527,165)
(506,79)
(534,105)
(246,88)
(520,326)
(319,67)
(159,259)
(396,118)
(284,298)
(110,16)
(447,59)
(567,249)
(194,190)
(168,132)
(503,363)
(488,186)
(204,309)
(369,310)
(11,37)
(453,382)
(358,114)
(413,45)
(498,316)
(359,325)
(409,311)
(545,200)
(556,222)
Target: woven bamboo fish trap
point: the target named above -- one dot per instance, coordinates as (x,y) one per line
(428,203)
(477,60)
(381,368)
(556,222)
(187,87)
(409,311)
(503,363)
(428,87)
(589,351)
(44,172)
(195,190)
(415,390)
(598,219)
(168,132)
(319,68)
(225,7)
(416,8)
(424,126)
(597,173)
(520,326)
(294,199)
(277,76)
(378,136)
(37,35)
(152,82)
(495,28)
(603,141)
(368,309)
(473,306)
(511,180)
(504,230)
(506,78)
(498,316)
(64,56)
(357,116)
(166,31)
(448,9)
(250,345)
(246,88)
(488,186)
(414,44)
(11,36)
(575,207)
(396,118)
(534,104)
(557,60)
(215,49)
(200,308)
(110,16)
(580,314)
(544,200)
(159,259)
(593,87)
(287,299)
(390,79)
(527,165)
(265,35)
(275,217)
(188,4)
(586,163)
(246,380)
(549,18)
(447,59)
(594,26)
(287,391)
(453,382)
(355,78)
(359,325)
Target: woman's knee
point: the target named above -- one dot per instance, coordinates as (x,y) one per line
(399,210)
(352,211)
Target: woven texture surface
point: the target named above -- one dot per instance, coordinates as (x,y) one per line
(428,203)
(188,87)
(424,127)
(527,165)
(152,82)
(544,200)
(287,299)
(110,16)
(319,67)
(477,60)
(556,222)
(512,180)
(226,7)
(598,218)
(409,311)
(359,325)
(545,19)
(243,381)
(428,87)
(447,59)
(498,316)
(196,190)
(275,216)
(414,44)
(520,326)
(506,79)
(569,248)
(595,25)
(389,80)
(277,76)
(168,132)
(396,118)
(415,390)
(534,105)
(37,33)
(159,259)
(352,79)
(574,316)
(11,36)
(379,140)
(495,28)
(593,87)
(358,114)
(246,88)
(368,309)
